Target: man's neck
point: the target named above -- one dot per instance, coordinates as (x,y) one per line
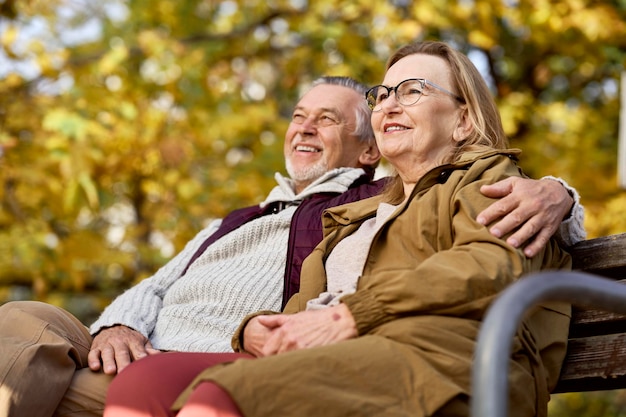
(299,186)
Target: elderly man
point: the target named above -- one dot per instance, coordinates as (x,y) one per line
(50,364)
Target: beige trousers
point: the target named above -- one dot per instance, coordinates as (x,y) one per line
(43,364)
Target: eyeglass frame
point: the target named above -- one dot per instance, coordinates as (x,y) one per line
(422,81)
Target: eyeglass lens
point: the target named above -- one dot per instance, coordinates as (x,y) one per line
(408,92)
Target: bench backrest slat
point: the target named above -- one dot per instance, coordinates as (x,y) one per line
(603,256)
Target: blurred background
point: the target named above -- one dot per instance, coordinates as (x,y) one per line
(125,126)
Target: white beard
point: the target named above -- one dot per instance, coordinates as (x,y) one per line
(309,173)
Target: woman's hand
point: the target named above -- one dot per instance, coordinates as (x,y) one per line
(306,329)
(255,335)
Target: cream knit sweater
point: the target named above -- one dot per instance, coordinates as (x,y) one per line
(240,273)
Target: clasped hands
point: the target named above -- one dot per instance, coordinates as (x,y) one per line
(273,334)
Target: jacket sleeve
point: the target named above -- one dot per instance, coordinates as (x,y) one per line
(455,273)
(139,306)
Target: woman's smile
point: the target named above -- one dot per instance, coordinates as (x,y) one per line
(394,127)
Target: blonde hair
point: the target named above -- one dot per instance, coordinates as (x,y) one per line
(486,126)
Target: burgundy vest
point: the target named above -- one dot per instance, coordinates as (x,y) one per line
(306,226)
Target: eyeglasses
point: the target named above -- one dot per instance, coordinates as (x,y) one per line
(408,92)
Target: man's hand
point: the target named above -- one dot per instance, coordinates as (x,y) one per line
(116,347)
(535,208)
(307,329)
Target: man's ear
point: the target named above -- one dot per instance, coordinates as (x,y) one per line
(464,126)
(370,155)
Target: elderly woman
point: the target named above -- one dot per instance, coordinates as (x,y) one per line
(391,300)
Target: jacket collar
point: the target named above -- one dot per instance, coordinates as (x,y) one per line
(366,208)
(440,174)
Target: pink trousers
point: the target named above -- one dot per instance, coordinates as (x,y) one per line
(150,386)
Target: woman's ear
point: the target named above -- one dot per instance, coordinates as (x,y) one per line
(370,155)
(464,126)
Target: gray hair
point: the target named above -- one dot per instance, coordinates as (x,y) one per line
(363,128)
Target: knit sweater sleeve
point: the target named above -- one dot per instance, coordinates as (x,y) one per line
(571,230)
(139,306)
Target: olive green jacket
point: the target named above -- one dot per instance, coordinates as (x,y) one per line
(430,275)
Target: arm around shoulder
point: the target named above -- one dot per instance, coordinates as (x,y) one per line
(572,229)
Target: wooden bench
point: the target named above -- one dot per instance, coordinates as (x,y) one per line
(596,354)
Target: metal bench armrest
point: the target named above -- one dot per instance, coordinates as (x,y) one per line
(493,349)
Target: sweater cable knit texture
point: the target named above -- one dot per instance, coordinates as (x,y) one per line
(240,273)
